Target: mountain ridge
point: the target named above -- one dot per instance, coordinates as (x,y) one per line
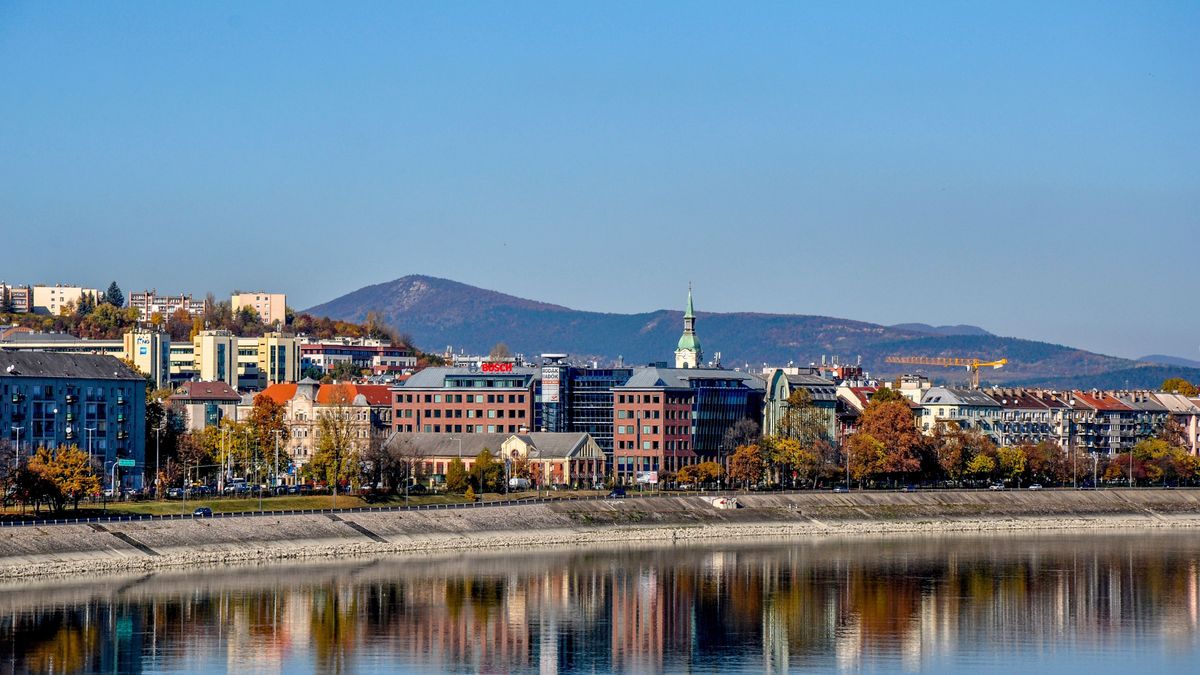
(441,312)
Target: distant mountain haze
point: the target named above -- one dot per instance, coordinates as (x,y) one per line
(438,313)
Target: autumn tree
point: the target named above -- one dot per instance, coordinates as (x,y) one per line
(981,466)
(746,466)
(796,462)
(1046,462)
(1178,385)
(742,432)
(1011,463)
(179,325)
(486,472)
(887,441)
(499,352)
(334,460)
(456,476)
(69,471)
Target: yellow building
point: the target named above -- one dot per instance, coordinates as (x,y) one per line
(271,307)
(53,299)
(240,362)
(149,351)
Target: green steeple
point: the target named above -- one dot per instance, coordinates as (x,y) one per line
(688,350)
(691,311)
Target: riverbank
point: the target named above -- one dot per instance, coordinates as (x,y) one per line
(34,551)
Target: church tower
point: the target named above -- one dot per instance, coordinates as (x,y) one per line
(688,354)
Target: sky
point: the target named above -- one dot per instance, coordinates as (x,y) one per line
(1031,168)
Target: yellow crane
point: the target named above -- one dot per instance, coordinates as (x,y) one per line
(972,365)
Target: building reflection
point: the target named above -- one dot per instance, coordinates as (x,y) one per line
(903,603)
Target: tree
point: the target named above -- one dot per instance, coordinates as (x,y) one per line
(114,296)
(1173,433)
(1011,463)
(68,471)
(708,472)
(746,467)
(981,466)
(887,394)
(499,352)
(179,325)
(1046,462)
(486,472)
(742,432)
(796,462)
(267,416)
(1178,385)
(889,424)
(456,476)
(344,370)
(801,420)
(334,460)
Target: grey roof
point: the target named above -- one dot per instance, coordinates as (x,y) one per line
(1141,400)
(435,378)
(56,364)
(679,378)
(1178,404)
(556,445)
(549,445)
(22,336)
(955,396)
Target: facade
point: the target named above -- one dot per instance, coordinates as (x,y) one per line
(246,363)
(1186,411)
(271,307)
(1150,415)
(495,398)
(554,459)
(149,303)
(1029,417)
(1101,423)
(688,353)
(93,401)
(970,409)
(378,356)
(579,399)
(276,359)
(781,382)
(54,299)
(149,350)
(215,357)
(367,407)
(668,418)
(204,404)
(18,299)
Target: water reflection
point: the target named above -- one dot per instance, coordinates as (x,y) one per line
(877,603)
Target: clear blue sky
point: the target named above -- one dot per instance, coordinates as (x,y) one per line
(1033,168)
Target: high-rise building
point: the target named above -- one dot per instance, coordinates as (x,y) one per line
(149,303)
(579,398)
(271,307)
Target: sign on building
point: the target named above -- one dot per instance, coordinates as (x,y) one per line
(647,477)
(551,376)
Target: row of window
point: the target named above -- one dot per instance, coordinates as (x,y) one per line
(460,428)
(459,398)
(457,413)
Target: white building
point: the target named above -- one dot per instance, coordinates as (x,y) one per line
(53,299)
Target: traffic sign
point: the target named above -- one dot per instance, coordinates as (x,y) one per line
(126,462)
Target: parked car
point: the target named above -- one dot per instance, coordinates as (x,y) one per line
(996,486)
(202,512)
(1035,486)
(417,489)
(840,489)
(616,493)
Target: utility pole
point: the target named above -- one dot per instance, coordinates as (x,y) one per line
(157,471)
(275,482)
(17,457)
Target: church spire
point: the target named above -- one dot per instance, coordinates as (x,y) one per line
(688,353)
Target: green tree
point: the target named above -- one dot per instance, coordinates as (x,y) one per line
(887,394)
(114,296)
(456,476)
(343,371)
(1178,385)
(335,459)
(486,472)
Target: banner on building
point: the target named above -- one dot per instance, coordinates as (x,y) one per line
(550,384)
(647,477)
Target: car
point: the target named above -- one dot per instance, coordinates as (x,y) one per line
(841,489)
(202,512)
(1035,486)
(417,489)
(996,486)
(909,488)
(616,493)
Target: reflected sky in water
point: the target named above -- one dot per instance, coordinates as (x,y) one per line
(1088,603)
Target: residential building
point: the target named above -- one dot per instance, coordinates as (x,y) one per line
(781,382)
(578,399)
(204,404)
(1150,415)
(1028,417)
(569,458)
(149,303)
(381,357)
(1186,411)
(667,418)
(852,400)
(245,363)
(149,350)
(271,307)
(17,299)
(277,359)
(54,299)
(215,357)
(368,408)
(494,398)
(96,402)
(970,409)
(1101,422)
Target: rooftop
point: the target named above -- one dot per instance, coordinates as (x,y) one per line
(55,364)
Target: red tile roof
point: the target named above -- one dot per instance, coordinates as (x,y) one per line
(281,393)
(206,391)
(1101,401)
(376,394)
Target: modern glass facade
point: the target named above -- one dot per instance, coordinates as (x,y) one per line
(584,401)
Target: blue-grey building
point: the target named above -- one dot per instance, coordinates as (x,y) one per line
(90,400)
(578,399)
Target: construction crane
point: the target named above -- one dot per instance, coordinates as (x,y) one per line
(972,365)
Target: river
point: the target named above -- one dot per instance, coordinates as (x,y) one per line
(1087,603)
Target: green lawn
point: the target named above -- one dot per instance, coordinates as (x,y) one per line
(283,503)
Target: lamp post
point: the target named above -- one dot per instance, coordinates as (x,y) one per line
(1131,467)
(157,443)
(275,478)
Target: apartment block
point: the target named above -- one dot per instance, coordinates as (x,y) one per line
(17,299)
(53,299)
(271,307)
(149,303)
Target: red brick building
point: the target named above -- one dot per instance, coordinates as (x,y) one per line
(494,399)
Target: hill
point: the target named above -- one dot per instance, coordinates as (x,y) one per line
(438,313)
(960,329)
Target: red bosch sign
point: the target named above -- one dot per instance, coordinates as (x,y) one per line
(489,367)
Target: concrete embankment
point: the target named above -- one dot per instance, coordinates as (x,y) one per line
(84,548)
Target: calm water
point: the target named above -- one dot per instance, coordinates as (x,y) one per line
(1075,604)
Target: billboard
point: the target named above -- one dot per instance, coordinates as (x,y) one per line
(647,477)
(551,378)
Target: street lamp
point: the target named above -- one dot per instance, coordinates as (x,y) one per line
(157,442)
(17,457)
